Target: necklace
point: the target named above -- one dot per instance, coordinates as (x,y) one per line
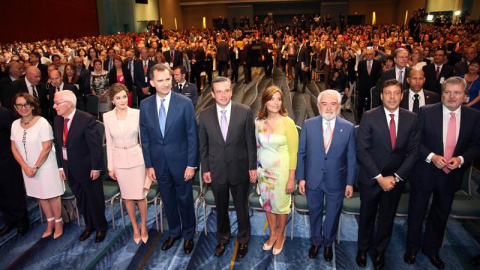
(27,122)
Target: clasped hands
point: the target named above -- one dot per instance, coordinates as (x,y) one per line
(188,174)
(208,178)
(440,162)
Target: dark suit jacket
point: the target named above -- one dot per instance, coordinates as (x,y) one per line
(6,120)
(388,75)
(351,73)
(374,148)
(461,68)
(177,58)
(426,175)
(84,146)
(44,71)
(179,147)
(112,78)
(365,81)
(222,51)
(431,81)
(199,58)
(430,98)
(232,159)
(140,75)
(304,56)
(189,90)
(6,93)
(85,75)
(246,56)
(106,64)
(20,85)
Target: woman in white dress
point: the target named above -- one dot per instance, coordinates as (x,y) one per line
(125,158)
(32,147)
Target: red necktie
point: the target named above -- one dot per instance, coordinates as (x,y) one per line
(437,73)
(65,130)
(393,131)
(451,139)
(35,95)
(171,56)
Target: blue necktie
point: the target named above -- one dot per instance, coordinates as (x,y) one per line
(162,116)
(400,77)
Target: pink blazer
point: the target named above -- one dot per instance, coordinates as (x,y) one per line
(123,149)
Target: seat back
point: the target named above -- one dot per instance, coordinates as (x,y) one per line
(467,175)
(92,102)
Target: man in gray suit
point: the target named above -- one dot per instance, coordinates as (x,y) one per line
(228,156)
(223,56)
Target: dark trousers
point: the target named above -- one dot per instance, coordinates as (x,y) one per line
(90,202)
(436,220)
(324,232)
(222,68)
(177,196)
(362,95)
(247,71)
(299,74)
(268,65)
(240,200)
(12,195)
(326,72)
(374,200)
(195,75)
(234,76)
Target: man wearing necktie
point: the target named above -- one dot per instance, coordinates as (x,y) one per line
(228,156)
(173,57)
(108,64)
(416,96)
(32,84)
(387,145)
(141,75)
(450,142)
(170,149)
(326,169)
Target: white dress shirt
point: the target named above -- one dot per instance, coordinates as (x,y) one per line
(228,112)
(397,73)
(166,103)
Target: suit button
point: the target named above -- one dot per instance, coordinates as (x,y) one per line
(325,158)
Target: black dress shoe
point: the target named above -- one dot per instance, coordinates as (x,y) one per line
(100,235)
(169,242)
(436,261)
(312,253)
(6,229)
(379,261)
(85,235)
(219,249)
(328,254)
(475,260)
(188,246)
(293,90)
(242,250)
(409,257)
(22,229)
(361,258)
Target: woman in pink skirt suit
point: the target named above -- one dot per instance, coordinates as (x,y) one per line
(125,158)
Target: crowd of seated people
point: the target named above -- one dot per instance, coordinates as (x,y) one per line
(393,70)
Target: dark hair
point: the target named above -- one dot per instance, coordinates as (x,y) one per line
(339,58)
(391,82)
(117,88)
(160,68)
(89,50)
(388,57)
(97,60)
(37,55)
(266,97)
(118,58)
(56,55)
(182,68)
(30,100)
(75,75)
(441,49)
(474,61)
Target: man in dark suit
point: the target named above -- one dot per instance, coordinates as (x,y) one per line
(462,67)
(320,154)
(141,75)
(84,74)
(183,87)
(437,72)
(170,148)
(80,161)
(223,56)
(129,63)
(246,59)
(108,64)
(12,191)
(302,65)
(229,160)
(14,72)
(173,57)
(388,142)
(58,85)
(31,84)
(369,72)
(416,96)
(450,142)
(399,72)
(326,61)
(197,58)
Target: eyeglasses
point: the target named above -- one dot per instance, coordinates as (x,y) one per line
(60,102)
(20,106)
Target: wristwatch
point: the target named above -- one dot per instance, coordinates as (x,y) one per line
(397,179)
(36,167)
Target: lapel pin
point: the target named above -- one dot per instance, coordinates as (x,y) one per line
(341,130)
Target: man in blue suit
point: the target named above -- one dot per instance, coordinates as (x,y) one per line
(326,169)
(170,149)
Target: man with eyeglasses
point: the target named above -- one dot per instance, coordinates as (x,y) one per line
(450,141)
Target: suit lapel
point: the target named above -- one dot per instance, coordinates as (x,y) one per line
(231,123)
(438,126)
(463,126)
(321,142)
(172,112)
(73,127)
(216,124)
(154,112)
(384,128)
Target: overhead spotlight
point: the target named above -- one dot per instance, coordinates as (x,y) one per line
(458,12)
(429,17)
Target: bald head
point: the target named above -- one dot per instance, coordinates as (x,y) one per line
(33,75)
(55,78)
(416,79)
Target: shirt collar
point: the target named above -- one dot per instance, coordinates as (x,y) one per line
(228,108)
(448,111)
(411,93)
(70,116)
(387,112)
(166,98)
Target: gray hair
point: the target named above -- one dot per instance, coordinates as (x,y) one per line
(68,95)
(221,79)
(455,80)
(329,92)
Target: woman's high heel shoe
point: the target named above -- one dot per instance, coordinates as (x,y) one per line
(48,233)
(136,239)
(269,247)
(277,251)
(144,238)
(57,234)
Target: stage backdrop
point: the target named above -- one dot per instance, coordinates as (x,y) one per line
(32,20)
